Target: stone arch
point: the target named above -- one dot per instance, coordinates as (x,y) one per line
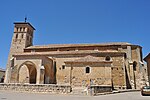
(47,76)
(27,73)
(49,71)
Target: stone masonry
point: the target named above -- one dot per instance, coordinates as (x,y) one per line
(117,65)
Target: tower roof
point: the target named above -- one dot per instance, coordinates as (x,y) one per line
(27,23)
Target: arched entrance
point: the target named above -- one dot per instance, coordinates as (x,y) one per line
(48,74)
(27,73)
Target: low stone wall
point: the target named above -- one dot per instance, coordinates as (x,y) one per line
(94,90)
(40,88)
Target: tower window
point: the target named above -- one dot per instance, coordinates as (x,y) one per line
(22,36)
(87,70)
(24,29)
(125,55)
(16,36)
(17,29)
(20,29)
(134,65)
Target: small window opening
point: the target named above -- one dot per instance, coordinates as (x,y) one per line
(125,55)
(17,29)
(20,29)
(16,36)
(22,36)
(87,70)
(134,65)
(24,29)
(63,66)
(145,70)
(107,58)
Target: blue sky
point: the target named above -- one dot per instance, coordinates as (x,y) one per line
(77,21)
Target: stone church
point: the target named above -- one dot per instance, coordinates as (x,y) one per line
(117,65)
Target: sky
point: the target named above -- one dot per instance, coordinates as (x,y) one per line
(77,21)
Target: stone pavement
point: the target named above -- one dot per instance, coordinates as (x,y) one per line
(6,95)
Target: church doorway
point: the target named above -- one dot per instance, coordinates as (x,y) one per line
(47,72)
(27,73)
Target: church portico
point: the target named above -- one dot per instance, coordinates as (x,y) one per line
(27,73)
(32,70)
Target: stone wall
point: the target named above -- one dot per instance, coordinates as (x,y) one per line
(148,69)
(95,90)
(100,74)
(2,73)
(32,88)
(118,72)
(63,74)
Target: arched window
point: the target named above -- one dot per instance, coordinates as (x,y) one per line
(134,65)
(107,58)
(125,55)
(17,29)
(24,29)
(87,70)
(20,29)
(22,36)
(16,36)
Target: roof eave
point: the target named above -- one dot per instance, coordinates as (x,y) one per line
(148,56)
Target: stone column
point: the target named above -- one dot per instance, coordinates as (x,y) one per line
(7,75)
(124,71)
(129,57)
(70,80)
(8,72)
(38,76)
(132,75)
(42,72)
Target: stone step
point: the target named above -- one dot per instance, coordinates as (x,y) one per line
(79,91)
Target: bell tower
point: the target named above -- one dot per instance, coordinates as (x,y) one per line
(22,38)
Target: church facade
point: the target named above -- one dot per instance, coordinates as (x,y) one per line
(78,65)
